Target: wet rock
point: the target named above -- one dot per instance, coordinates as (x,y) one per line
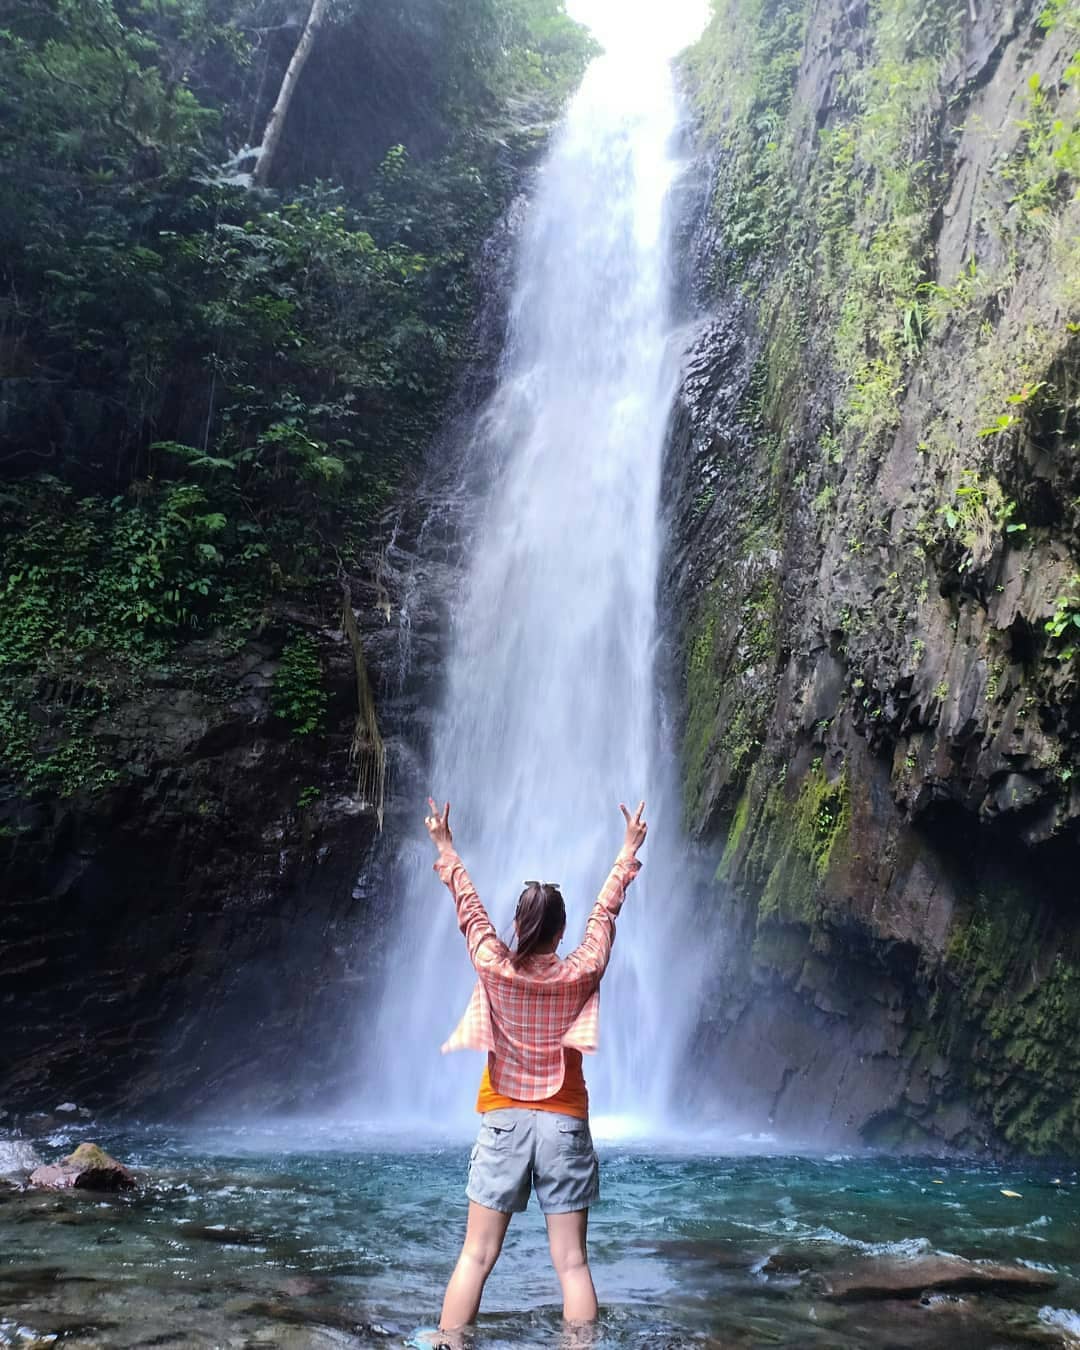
(89,1168)
(302,1286)
(39,1123)
(786,1263)
(884,1279)
(717,1253)
(68,1111)
(337,1318)
(941,1322)
(227,1237)
(205,849)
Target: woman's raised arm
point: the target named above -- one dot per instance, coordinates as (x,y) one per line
(477,928)
(594,953)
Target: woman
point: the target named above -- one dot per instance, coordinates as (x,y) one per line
(534,1014)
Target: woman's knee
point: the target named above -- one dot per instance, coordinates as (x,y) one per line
(481,1253)
(567,1258)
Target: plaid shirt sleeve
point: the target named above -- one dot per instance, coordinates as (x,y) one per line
(592,956)
(473,919)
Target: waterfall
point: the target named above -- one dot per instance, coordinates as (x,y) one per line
(551,715)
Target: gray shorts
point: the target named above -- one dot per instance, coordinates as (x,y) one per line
(517,1150)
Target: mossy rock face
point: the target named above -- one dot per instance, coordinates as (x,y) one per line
(784,843)
(877,559)
(88,1168)
(1014,999)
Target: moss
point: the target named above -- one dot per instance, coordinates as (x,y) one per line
(794,846)
(1022,1022)
(1050,148)
(702,694)
(822,817)
(855,244)
(743,70)
(853,247)
(735,836)
(730,665)
(791,891)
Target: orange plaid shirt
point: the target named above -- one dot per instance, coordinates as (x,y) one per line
(525,1017)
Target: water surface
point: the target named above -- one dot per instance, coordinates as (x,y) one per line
(333,1237)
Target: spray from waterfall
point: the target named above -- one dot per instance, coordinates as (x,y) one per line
(550,713)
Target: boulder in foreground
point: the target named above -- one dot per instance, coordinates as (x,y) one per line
(872,1279)
(90,1168)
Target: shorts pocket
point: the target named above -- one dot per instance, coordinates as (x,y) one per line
(496,1135)
(574,1136)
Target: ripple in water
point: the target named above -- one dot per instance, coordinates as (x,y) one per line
(282,1236)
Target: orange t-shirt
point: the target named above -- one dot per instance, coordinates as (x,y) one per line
(572,1099)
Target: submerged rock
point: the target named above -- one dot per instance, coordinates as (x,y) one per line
(228,1237)
(880,1279)
(89,1168)
(38,1123)
(333,1316)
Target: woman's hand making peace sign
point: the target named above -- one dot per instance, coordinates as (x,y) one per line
(636,830)
(438,826)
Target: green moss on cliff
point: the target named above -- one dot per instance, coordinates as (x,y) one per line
(729,675)
(795,845)
(783,842)
(702,696)
(1016,1006)
(900,234)
(735,835)
(859,233)
(744,73)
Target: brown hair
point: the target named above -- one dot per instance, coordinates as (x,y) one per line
(540,918)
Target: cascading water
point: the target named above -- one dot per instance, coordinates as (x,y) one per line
(550,715)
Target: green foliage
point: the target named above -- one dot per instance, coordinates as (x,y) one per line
(298,696)
(859,229)
(94,592)
(85,575)
(1064,624)
(64,756)
(500,49)
(977,515)
(102,87)
(874,222)
(222,386)
(744,74)
(541,47)
(1049,157)
(795,845)
(1060,13)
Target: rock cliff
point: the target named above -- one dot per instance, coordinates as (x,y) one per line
(875,566)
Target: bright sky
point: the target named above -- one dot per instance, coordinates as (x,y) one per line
(660,25)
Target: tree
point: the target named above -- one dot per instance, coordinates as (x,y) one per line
(276,121)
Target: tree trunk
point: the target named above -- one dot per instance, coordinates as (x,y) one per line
(276,122)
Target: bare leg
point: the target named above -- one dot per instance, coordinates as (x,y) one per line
(566,1237)
(484,1235)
